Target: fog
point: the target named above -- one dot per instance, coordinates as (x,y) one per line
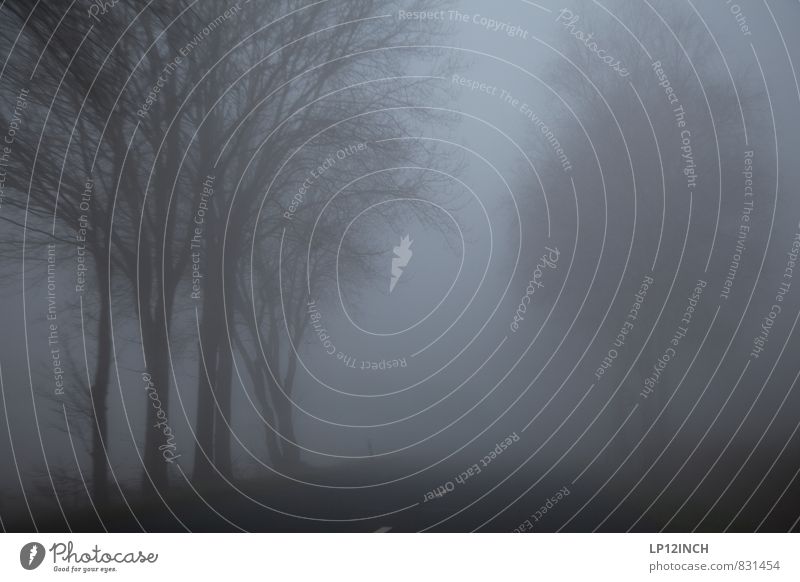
(450,266)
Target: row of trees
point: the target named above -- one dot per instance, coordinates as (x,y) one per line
(169,108)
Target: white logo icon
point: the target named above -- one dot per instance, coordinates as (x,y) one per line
(31,555)
(402,255)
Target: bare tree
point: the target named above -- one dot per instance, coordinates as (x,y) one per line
(621,133)
(151,104)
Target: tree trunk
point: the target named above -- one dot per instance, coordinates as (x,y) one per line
(99,395)
(283,411)
(158,436)
(204,427)
(222,416)
(265,393)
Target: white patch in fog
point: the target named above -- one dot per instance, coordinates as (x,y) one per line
(400,260)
